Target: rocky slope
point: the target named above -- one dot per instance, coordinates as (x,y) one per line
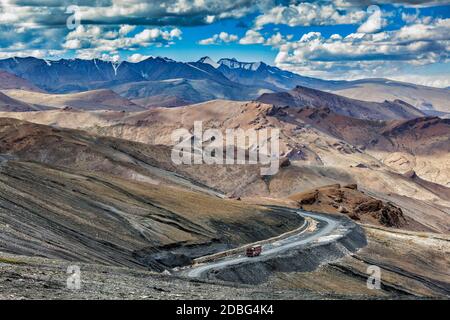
(323,148)
(59,212)
(180,92)
(11,81)
(8,104)
(88,100)
(424,98)
(350,201)
(92,196)
(305,97)
(412,265)
(420,144)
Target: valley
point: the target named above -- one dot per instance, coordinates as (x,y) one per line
(87,178)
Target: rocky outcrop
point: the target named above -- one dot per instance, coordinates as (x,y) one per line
(352,202)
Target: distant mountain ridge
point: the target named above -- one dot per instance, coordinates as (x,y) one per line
(303,97)
(229,79)
(11,81)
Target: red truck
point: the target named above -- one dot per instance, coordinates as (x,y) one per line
(253,251)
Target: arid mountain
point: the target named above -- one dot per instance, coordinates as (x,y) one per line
(80,150)
(11,81)
(420,144)
(89,100)
(321,151)
(204,80)
(179,92)
(75,75)
(264,76)
(433,101)
(424,98)
(8,104)
(305,97)
(85,198)
(82,216)
(71,195)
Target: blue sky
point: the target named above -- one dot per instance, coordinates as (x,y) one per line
(407,40)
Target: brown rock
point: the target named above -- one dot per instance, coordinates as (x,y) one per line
(352,186)
(285,162)
(309,198)
(369,206)
(341,209)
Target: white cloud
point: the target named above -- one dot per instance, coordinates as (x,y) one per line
(222,37)
(276,40)
(225,37)
(336,37)
(32,53)
(252,37)
(72,44)
(126,29)
(137,57)
(367,54)
(375,21)
(95,41)
(308,14)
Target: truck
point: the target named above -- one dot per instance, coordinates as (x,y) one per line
(253,251)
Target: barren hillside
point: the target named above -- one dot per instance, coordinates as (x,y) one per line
(88,100)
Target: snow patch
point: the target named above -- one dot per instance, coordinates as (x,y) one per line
(234,64)
(211,62)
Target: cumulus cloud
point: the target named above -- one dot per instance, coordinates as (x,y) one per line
(95,41)
(131,12)
(375,21)
(277,40)
(137,57)
(252,37)
(367,53)
(222,37)
(309,14)
(406,3)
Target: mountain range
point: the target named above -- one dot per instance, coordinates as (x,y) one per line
(165,82)
(88,176)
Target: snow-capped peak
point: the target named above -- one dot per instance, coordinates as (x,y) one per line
(234,64)
(165,59)
(211,62)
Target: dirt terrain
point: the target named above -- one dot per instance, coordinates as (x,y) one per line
(37,278)
(89,100)
(11,81)
(8,104)
(81,216)
(413,265)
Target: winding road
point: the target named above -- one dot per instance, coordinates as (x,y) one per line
(327,229)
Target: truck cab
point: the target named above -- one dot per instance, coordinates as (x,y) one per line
(253,251)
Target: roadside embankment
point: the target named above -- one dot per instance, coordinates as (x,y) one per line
(346,239)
